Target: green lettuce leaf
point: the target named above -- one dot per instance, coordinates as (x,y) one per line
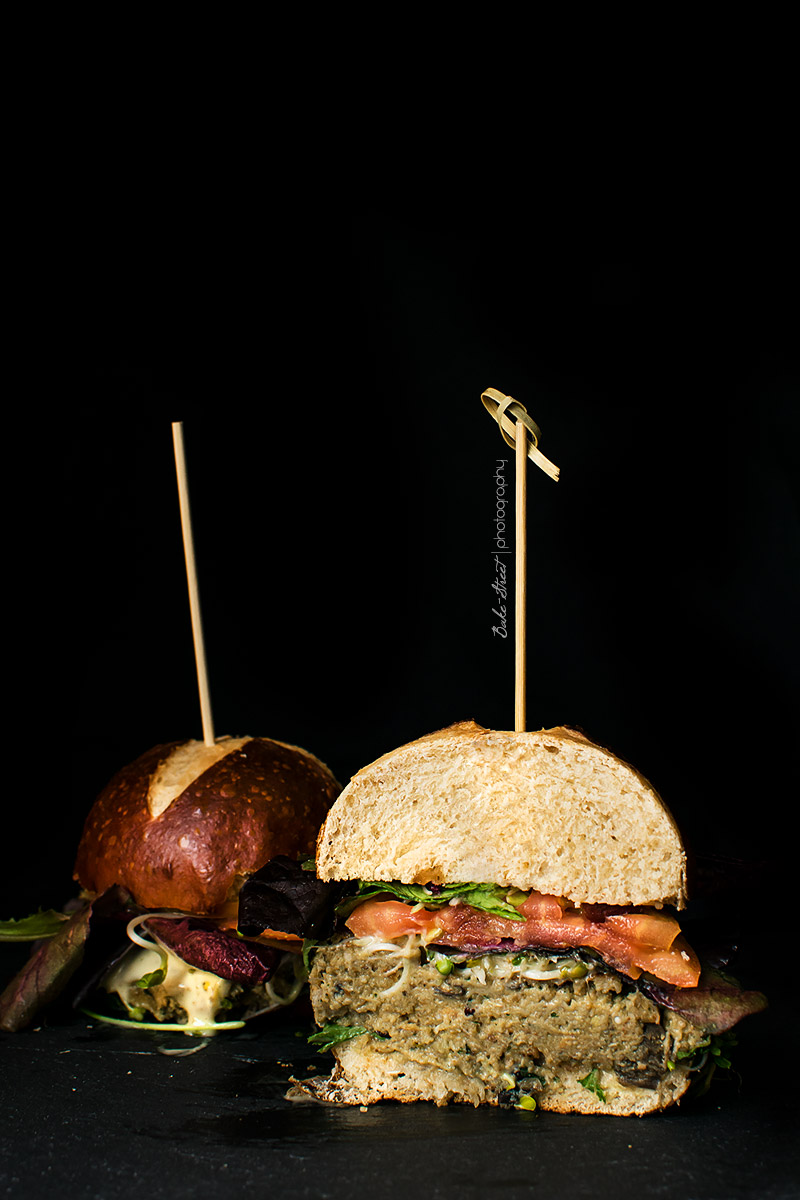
(331,1035)
(706,1058)
(309,946)
(488,897)
(592,1084)
(42,924)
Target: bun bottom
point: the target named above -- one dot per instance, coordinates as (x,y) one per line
(366,1076)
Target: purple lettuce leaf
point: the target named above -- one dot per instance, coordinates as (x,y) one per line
(203,945)
(67,958)
(285,897)
(716,1004)
(46,973)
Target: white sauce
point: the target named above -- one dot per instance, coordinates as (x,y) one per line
(198,992)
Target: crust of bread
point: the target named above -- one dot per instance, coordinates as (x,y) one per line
(363,1075)
(258,799)
(547,810)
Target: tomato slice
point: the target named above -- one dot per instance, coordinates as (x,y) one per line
(679,965)
(645,929)
(629,942)
(389,919)
(541,907)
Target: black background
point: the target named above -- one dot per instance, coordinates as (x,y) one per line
(323,316)
(328,373)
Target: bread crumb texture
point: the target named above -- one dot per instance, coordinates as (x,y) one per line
(548,810)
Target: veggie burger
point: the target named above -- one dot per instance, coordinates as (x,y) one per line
(510,935)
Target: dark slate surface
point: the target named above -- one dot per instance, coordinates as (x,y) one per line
(98,1112)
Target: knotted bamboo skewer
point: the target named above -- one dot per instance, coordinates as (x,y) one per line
(523,436)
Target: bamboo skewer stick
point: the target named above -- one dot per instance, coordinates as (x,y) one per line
(520,581)
(515,434)
(191,578)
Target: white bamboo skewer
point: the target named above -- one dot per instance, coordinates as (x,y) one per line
(191,578)
(520,581)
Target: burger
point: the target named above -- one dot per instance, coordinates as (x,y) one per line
(164,852)
(509,933)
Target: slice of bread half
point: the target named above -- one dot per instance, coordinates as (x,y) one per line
(546,810)
(365,1075)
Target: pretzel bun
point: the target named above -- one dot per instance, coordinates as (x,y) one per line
(549,811)
(182,826)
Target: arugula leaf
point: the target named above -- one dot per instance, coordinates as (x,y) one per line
(491,898)
(331,1035)
(720,1046)
(706,1057)
(592,1084)
(42,924)
(696,1050)
(309,946)
(488,897)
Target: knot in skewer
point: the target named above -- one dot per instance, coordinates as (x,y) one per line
(500,405)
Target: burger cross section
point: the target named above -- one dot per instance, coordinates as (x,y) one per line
(564,983)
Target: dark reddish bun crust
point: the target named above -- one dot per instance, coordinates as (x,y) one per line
(258,801)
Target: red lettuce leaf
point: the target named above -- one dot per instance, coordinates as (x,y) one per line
(284,897)
(203,945)
(46,973)
(66,958)
(716,1004)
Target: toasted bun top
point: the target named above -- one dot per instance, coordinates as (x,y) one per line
(182,825)
(549,811)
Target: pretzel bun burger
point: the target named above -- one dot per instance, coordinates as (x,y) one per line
(181,829)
